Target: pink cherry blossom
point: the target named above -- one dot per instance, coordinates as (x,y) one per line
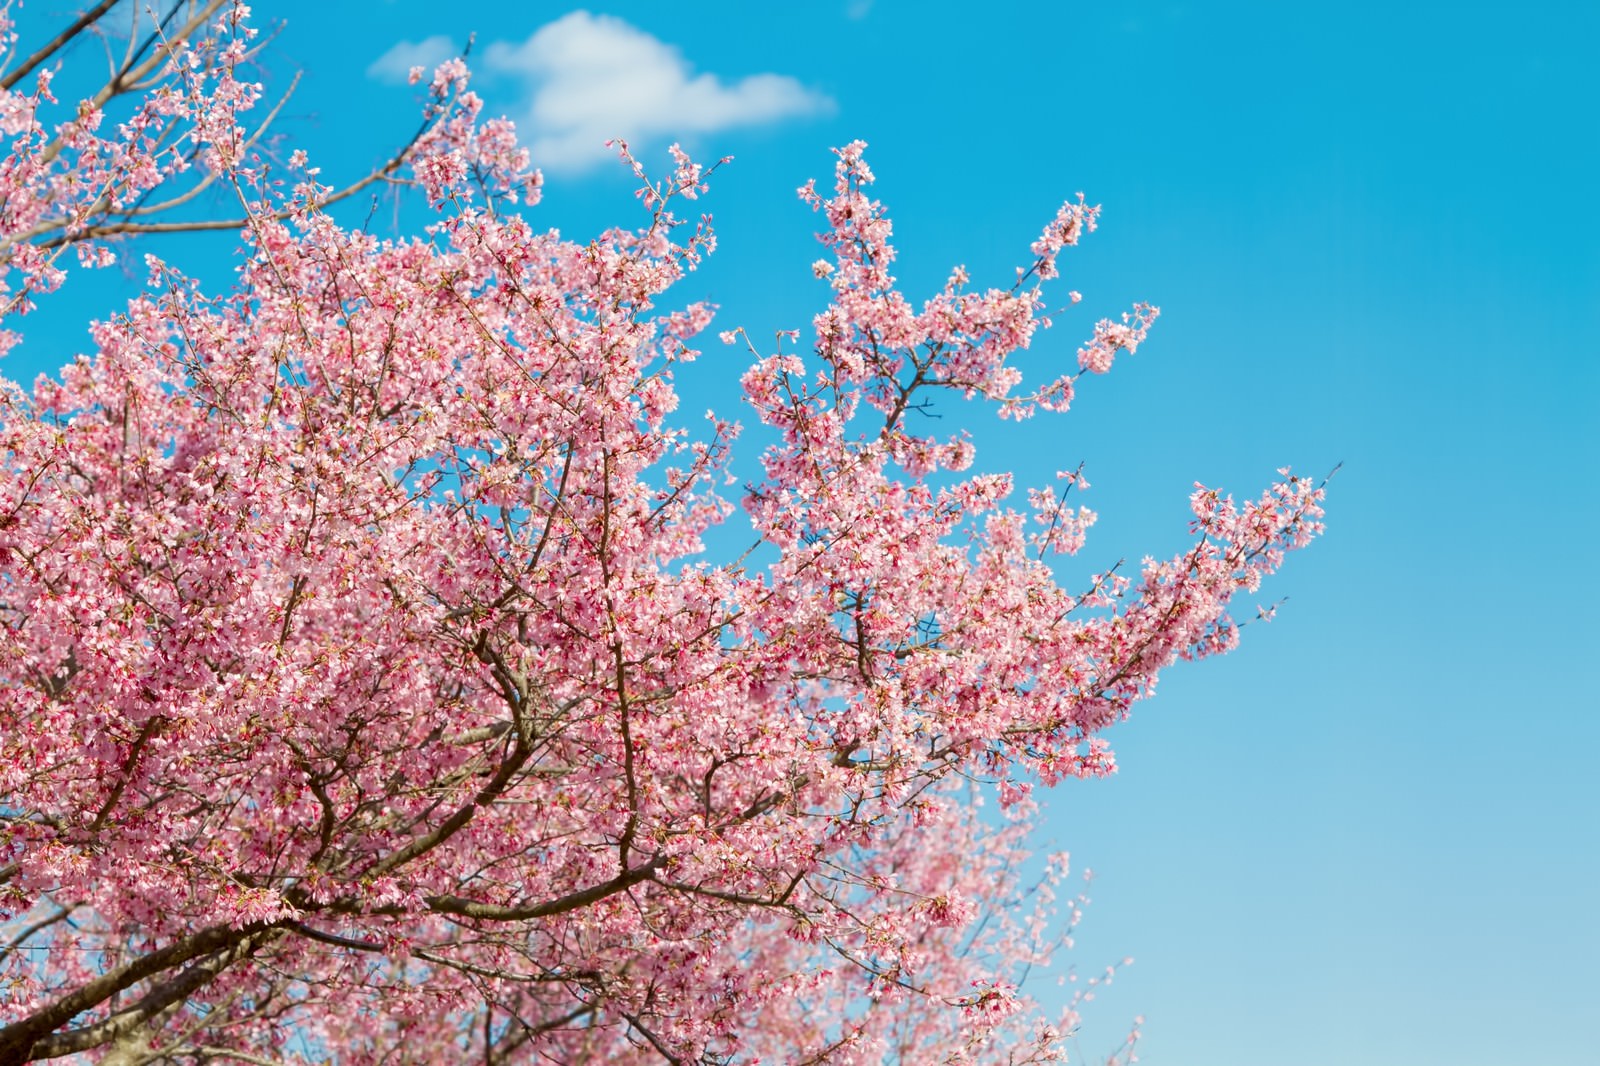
(371,693)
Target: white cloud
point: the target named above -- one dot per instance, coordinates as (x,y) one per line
(858,9)
(396,63)
(595,77)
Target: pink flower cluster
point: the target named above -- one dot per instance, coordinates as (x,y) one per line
(370,693)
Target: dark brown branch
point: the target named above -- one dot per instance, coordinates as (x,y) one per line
(470,908)
(333,938)
(87,19)
(150,729)
(424,844)
(18,1039)
(163,998)
(654,1040)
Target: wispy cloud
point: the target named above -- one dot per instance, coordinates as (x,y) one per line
(594,77)
(858,9)
(395,64)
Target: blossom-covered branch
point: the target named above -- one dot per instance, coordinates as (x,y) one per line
(371,692)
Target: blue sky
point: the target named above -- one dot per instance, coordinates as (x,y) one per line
(1370,835)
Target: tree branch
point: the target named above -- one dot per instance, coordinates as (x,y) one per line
(87,19)
(18,1040)
(470,908)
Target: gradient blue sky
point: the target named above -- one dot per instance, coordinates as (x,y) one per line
(1370,835)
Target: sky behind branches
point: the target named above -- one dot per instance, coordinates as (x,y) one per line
(1372,834)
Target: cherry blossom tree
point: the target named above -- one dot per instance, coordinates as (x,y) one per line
(371,693)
